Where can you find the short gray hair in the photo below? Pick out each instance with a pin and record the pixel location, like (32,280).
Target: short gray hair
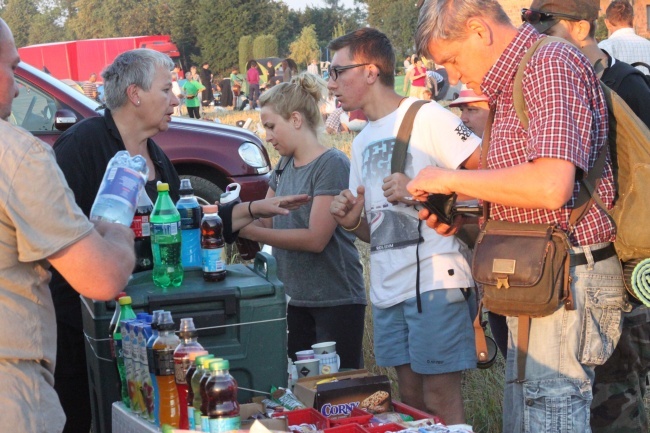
(132,67)
(446,19)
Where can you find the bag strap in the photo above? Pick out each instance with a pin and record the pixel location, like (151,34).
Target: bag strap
(485,145)
(523,334)
(398,160)
(479,336)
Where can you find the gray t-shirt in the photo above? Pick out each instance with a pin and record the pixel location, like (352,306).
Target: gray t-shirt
(334,276)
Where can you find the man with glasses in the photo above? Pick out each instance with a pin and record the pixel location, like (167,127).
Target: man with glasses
(621,382)
(427,334)
(530,177)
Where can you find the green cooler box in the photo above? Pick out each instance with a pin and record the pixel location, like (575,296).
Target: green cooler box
(242,319)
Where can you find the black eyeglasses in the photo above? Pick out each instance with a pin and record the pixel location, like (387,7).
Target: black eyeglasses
(534,17)
(335,71)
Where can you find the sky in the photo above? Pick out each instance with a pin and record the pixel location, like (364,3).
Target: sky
(300,4)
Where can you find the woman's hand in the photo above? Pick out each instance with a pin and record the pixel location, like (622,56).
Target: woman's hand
(278,205)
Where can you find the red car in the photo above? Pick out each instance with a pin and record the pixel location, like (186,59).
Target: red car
(212,155)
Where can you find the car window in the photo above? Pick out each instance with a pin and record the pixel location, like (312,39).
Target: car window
(33,109)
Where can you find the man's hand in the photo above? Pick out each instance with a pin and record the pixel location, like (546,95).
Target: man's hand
(428,181)
(395,189)
(441,228)
(346,208)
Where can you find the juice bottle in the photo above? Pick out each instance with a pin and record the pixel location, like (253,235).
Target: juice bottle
(198,396)
(189,408)
(126,313)
(163,354)
(137,403)
(195,385)
(212,244)
(222,406)
(152,373)
(146,386)
(205,420)
(188,335)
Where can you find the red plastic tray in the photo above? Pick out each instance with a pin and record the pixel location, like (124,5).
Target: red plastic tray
(358,416)
(415,413)
(389,427)
(346,428)
(305,416)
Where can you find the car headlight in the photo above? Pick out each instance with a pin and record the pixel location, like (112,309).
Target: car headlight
(253,156)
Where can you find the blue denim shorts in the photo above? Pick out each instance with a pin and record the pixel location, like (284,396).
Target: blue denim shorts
(439,340)
(563,350)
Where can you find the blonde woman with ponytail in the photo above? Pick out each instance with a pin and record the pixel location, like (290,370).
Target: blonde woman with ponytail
(317,260)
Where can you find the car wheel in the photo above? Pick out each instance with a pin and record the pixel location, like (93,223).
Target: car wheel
(206,191)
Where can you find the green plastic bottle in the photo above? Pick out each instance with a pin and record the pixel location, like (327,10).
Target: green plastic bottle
(166,241)
(126,313)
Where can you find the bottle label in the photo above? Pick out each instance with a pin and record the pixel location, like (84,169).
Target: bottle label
(212,261)
(197,420)
(140,226)
(190,217)
(190,417)
(122,184)
(163,362)
(181,365)
(164,229)
(205,423)
(218,425)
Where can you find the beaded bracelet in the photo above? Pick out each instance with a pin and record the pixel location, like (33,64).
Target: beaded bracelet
(353,228)
(249,209)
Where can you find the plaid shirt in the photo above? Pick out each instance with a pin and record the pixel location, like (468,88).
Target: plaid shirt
(568,120)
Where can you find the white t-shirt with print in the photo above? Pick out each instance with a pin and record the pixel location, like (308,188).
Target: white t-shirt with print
(439,138)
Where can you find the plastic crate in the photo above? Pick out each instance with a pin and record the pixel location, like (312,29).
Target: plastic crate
(415,413)
(357,416)
(346,428)
(305,416)
(383,428)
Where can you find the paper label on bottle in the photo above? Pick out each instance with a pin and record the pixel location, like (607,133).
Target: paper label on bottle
(190,217)
(190,417)
(164,229)
(123,184)
(205,423)
(181,365)
(212,261)
(140,226)
(163,362)
(197,420)
(218,425)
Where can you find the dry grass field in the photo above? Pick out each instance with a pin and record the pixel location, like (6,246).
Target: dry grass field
(482,389)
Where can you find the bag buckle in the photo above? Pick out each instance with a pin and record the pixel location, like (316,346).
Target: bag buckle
(503,283)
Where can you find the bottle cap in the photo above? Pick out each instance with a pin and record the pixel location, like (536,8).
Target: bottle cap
(124,300)
(231,194)
(206,362)
(141,316)
(194,355)
(186,187)
(221,364)
(120,295)
(165,323)
(156,318)
(210,208)
(187,329)
(199,359)
(163,187)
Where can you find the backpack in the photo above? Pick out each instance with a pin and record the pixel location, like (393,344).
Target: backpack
(620,70)
(629,144)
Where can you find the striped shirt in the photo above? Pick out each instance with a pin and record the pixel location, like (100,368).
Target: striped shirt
(90,89)
(568,121)
(628,47)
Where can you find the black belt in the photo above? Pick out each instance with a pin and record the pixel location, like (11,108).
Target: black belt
(598,255)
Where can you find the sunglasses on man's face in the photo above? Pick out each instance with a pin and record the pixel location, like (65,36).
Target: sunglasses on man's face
(534,17)
(335,71)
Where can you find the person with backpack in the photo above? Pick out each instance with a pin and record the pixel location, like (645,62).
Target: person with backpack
(623,43)
(531,177)
(621,382)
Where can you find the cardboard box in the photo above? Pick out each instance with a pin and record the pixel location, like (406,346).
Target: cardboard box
(246,411)
(356,388)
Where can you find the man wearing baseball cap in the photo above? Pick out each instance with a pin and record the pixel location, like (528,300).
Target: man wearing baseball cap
(620,383)
(474,110)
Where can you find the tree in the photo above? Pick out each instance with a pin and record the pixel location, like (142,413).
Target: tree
(397,19)
(265,46)
(182,29)
(45,27)
(245,51)
(305,48)
(18,15)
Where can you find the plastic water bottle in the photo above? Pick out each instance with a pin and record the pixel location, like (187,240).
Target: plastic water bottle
(142,229)
(222,407)
(189,409)
(118,193)
(212,244)
(152,373)
(163,354)
(195,383)
(188,335)
(126,313)
(166,241)
(190,211)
